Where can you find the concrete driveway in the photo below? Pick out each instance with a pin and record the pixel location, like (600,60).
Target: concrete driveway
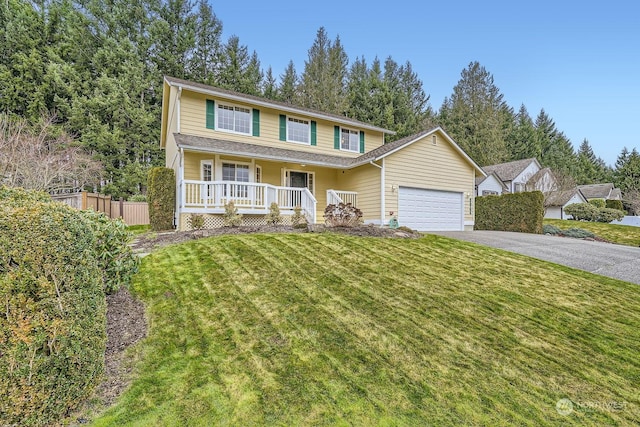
(606,259)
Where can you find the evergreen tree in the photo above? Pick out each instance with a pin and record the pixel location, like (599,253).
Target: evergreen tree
(627,172)
(591,169)
(323,82)
(477,117)
(173,32)
(521,144)
(269,85)
(287,92)
(240,71)
(207,53)
(556,151)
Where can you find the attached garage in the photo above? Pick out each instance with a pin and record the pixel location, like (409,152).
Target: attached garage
(430,210)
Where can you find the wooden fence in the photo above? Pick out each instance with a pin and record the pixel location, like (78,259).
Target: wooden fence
(133,213)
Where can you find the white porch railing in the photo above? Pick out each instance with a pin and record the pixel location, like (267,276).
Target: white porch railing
(249,197)
(335,197)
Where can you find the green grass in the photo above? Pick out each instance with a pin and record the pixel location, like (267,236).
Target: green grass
(620,234)
(309,329)
(138,229)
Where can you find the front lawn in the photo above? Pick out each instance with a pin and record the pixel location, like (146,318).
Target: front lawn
(615,233)
(325,329)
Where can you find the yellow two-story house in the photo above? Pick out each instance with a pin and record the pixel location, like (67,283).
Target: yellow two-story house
(227,146)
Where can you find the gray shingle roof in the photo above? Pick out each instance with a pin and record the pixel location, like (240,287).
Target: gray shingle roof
(559,198)
(509,171)
(596,191)
(260,151)
(275,104)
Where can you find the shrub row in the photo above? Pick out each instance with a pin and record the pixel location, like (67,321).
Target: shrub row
(55,265)
(521,212)
(589,212)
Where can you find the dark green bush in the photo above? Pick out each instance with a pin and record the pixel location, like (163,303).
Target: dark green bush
(582,211)
(522,212)
(615,204)
(598,203)
(52,323)
(161,196)
(550,229)
(116,259)
(607,215)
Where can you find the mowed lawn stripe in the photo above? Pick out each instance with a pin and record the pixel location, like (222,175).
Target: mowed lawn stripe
(331,329)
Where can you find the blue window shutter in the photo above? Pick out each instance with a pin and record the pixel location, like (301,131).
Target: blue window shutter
(283,127)
(256,122)
(314,133)
(336,137)
(362,141)
(211,114)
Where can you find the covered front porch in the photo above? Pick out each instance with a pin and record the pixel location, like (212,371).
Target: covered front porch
(252,198)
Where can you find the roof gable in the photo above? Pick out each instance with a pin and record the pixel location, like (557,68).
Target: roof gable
(510,170)
(596,191)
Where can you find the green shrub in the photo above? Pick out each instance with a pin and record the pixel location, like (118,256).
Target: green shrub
(598,203)
(297,219)
(578,233)
(231,216)
(11,196)
(550,229)
(115,257)
(52,326)
(342,215)
(607,215)
(615,204)
(273,217)
(522,212)
(161,196)
(196,221)
(582,211)
(137,198)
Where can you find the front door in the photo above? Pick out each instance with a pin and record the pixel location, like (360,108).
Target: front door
(298,179)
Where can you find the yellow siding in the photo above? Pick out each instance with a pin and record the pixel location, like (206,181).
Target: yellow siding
(428,166)
(366,181)
(193,122)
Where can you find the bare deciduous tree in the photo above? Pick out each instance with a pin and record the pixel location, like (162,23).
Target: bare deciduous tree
(41,157)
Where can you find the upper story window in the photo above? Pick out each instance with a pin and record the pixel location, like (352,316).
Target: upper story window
(298,130)
(234,119)
(349,140)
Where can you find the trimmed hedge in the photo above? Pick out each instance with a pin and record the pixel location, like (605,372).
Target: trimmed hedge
(161,196)
(615,204)
(589,212)
(52,326)
(522,212)
(598,203)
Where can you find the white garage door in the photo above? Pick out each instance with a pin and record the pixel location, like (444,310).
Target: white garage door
(430,210)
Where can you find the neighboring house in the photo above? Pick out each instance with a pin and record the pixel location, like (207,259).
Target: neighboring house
(543,180)
(556,201)
(601,191)
(516,174)
(490,185)
(226,146)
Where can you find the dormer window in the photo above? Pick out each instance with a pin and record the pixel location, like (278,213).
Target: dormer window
(349,140)
(233,119)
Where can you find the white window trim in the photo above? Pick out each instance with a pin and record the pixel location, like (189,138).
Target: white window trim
(206,162)
(308,133)
(357,150)
(287,179)
(235,162)
(228,104)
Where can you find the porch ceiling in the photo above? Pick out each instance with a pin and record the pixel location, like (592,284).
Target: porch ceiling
(202,144)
